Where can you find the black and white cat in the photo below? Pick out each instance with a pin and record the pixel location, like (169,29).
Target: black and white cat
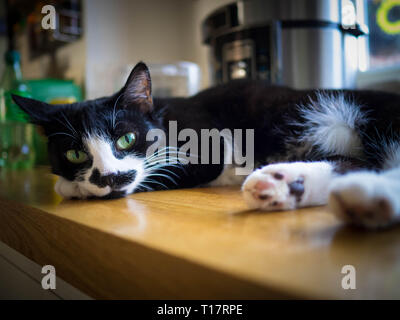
(311,147)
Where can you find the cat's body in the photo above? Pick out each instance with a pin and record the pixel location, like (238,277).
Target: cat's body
(304,141)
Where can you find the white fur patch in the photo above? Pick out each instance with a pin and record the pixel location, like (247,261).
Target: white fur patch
(392,156)
(70,189)
(330,125)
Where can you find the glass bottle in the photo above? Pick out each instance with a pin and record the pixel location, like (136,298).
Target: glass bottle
(16,134)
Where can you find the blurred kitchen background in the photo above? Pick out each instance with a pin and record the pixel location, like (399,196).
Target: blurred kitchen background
(188,45)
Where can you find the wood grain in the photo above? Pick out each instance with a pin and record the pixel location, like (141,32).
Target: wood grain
(195,243)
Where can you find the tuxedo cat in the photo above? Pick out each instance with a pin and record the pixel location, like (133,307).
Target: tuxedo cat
(311,147)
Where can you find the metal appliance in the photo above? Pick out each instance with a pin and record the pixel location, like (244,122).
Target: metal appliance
(299,43)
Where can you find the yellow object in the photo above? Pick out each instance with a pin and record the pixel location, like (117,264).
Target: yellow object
(62,100)
(390,27)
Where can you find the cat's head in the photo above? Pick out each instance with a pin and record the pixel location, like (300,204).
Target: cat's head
(99,146)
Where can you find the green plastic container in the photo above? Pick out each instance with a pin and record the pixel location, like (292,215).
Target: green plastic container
(52,91)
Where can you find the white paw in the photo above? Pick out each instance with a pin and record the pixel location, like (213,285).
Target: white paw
(274,187)
(365,199)
(286,186)
(69,189)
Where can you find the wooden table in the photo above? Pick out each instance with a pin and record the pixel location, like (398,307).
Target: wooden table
(195,243)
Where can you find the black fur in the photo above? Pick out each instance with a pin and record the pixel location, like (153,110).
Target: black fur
(115,180)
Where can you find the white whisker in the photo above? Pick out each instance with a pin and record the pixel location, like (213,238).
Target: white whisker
(162,175)
(69,125)
(156,182)
(114,115)
(61,133)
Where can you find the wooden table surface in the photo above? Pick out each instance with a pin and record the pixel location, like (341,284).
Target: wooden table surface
(194,243)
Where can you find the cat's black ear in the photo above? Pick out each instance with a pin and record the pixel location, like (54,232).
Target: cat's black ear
(38,112)
(138,88)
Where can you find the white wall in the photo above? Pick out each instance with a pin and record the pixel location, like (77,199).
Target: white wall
(122,32)
(71,56)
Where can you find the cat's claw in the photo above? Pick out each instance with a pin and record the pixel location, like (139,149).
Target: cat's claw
(365,199)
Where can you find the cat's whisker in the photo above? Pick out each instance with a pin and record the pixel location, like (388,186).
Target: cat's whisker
(166,170)
(161,158)
(114,115)
(168,157)
(156,182)
(166,151)
(62,133)
(69,125)
(147,188)
(162,175)
(167,148)
(164,164)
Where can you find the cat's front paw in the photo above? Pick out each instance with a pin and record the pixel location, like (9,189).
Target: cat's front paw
(275,187)
(69,189)
(365,199)
(286,186)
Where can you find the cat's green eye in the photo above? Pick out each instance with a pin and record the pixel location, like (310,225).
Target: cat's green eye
(76,156)
(126,141)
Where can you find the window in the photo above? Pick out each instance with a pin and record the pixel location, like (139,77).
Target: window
(384,36)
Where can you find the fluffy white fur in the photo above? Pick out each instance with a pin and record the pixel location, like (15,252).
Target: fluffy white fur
(369,199)
(392,155)
(70,189)
(330,123)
